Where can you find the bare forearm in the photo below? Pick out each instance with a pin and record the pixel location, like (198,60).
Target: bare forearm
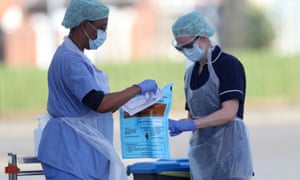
(215,119)
(226,114)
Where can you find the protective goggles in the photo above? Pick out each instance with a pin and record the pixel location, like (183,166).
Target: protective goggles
(187,45)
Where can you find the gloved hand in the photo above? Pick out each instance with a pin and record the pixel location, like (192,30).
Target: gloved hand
(177,127)
(147,85)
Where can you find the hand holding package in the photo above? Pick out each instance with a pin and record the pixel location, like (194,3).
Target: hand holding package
(148,85)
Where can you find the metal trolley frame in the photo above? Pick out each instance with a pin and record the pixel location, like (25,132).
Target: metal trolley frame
(14,171)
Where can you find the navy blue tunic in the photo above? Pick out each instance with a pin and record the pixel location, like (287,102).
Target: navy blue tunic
(231,75)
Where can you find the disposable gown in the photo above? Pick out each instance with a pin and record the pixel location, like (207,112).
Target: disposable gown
(77,140)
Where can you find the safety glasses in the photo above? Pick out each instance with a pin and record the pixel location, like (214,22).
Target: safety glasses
(187,45)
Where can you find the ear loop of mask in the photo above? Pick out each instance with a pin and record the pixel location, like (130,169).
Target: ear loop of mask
(93,26)
(87,33)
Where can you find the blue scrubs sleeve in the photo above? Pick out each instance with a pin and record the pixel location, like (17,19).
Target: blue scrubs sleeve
(79,77)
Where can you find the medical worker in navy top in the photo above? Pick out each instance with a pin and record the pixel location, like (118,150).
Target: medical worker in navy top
(215,87)
(77,142)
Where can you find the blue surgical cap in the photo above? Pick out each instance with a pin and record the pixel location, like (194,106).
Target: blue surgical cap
(192,24)
(81,10)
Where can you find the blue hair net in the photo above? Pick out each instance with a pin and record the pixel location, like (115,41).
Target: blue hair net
(192,24)
(81,10)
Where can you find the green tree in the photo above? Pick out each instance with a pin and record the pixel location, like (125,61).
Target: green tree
(244,26)
(259,32)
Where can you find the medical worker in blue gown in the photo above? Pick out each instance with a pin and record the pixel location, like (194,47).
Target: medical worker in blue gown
(77,141)
(215,87)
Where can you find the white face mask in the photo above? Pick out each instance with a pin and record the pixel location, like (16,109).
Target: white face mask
(96,43)
(194,54)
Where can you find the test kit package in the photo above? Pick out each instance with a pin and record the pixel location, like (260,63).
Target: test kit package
(145,133)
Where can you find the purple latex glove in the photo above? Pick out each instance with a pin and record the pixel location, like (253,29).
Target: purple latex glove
(148,85)
(177,127)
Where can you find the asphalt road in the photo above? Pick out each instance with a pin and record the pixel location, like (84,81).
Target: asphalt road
(274,133)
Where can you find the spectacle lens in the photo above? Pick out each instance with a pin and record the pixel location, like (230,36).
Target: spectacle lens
(188,45)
